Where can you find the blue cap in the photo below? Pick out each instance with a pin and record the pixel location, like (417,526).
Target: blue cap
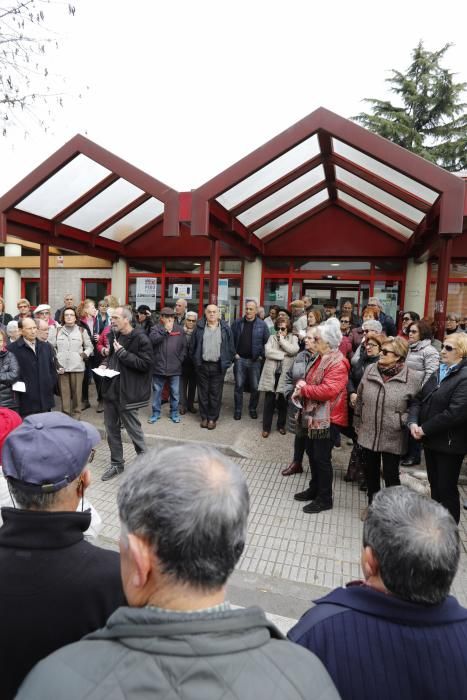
(48,451)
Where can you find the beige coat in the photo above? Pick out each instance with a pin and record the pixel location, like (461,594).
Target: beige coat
(69,346)
(380,415)
(277,350)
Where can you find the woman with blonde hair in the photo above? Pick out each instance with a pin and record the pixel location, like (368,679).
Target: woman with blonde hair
(86,314)
(381,411)
(4,317)
(438,417)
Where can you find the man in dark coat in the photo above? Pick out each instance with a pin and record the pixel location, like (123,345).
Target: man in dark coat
(184,517)
(169,345)
(37,370)
(387,322)
(250,335)
(54,586)
(130,354)
(399,634)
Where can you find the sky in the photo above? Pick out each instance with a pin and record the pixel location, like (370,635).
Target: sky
(185,88)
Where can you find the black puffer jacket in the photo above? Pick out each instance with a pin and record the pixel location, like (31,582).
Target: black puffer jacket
(9,374)
(441,410)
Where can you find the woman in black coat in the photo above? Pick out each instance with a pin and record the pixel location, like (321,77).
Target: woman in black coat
(9,374)
(4,317)
(438,417)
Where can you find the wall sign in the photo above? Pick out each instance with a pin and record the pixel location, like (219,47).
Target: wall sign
(146,288)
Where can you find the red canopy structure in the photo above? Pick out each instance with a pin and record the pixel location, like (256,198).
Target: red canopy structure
(327,186)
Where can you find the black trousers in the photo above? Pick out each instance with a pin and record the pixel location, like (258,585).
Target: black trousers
(443,474)
(371,462)
(299,447)
(272,401)
(210,379)
(188,386)
(319,453)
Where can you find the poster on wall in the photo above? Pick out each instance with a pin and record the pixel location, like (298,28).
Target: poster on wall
(146,288)
(182,291)
(223,290)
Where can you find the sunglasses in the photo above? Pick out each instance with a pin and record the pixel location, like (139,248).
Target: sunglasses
(385,352)
(447,347)
(347,322)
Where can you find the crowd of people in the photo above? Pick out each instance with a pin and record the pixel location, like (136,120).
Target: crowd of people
(79,621)
(323,371)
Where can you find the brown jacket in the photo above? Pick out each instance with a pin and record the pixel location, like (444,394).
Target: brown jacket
(380,415)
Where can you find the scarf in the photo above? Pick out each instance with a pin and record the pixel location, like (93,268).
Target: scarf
(318,413)
(388,372)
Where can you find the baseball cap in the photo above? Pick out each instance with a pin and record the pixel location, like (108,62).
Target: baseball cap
(167,311)
(48,451)
(143,308)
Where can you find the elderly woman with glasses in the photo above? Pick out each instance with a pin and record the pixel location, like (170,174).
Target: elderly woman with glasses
(381,411)
(438,417)
(424,359)
(324,398)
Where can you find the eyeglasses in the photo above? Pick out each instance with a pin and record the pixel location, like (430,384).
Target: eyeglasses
(372,345)
(385,352)
(190,320)
(413,330)
(448,348)
(346,322)
(406,318)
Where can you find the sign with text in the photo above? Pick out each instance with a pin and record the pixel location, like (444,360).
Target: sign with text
(146,289)
(182,291)
(223,290)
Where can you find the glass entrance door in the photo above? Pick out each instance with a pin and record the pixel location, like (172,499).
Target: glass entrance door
(338,292)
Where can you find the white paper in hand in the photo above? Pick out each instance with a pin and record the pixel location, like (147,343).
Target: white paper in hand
(19,386)
(109,373)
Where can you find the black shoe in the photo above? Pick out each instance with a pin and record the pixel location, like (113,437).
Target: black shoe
(253,414)
(307,495)
(192,409)
(363,486)
(317,507)
(113,470)
(237,416)
(410,462)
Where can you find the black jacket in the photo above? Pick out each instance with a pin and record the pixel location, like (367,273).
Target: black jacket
(37,371)
(441,410)
(260,335)
(9,374)
(169,350)
(54,588)
(5,318)
(132,387)
(227,345)
(357,370)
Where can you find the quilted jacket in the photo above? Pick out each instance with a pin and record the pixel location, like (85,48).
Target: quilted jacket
(144,654)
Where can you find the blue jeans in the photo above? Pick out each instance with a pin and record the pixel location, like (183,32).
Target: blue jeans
(244,368)
(158,382)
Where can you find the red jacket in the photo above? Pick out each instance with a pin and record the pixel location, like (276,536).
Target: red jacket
(346,347)
(333,388)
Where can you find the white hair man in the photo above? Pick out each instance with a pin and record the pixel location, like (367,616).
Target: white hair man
(183,513)
(402,609)
(130,354)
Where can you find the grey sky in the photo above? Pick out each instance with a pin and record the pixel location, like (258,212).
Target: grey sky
(184,88)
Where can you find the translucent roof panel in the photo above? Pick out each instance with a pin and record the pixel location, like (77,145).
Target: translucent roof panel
(285,194)
(103,205)
(63,188)
(270,173)
(365,209)
(134,220)
(293,213)
(384,171)
(379,195)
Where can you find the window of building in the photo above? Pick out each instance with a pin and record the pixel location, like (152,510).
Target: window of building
(30,290)
(457,289)
(95,289)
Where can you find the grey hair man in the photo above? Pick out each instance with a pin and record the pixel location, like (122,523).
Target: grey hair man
(183,513)
(130,355)
(388,324)
(54,586)
(12,331)
(180,311)
(68,302)
(403,608)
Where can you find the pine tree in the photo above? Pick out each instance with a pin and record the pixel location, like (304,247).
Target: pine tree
(431,119)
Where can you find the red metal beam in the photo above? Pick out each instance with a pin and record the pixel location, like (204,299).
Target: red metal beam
(380,182)
(3,227)
(374,204)
(287,206)
(214,271)
(425,226)
(85,198)
(44,273)
(276,185)
(295,222)
(325,145)
(120,214)
(142,230)
(369,219)
(231,224)
(26,233)
(444,264)
(238,247)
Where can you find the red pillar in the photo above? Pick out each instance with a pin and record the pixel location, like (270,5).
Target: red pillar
(44,274)
(441,302)
(3,227)
(214,271)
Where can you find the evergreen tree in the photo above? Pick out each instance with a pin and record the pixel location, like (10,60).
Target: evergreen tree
(431,119)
